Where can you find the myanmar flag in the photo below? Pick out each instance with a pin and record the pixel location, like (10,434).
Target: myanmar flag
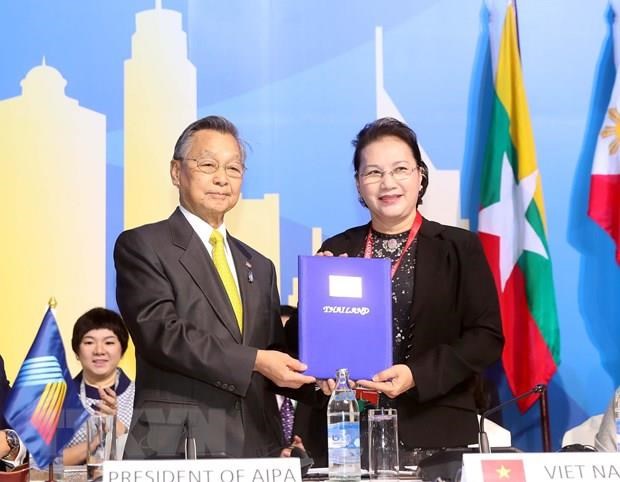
(512,228)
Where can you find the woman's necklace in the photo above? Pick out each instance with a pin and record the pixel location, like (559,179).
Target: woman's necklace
(413,232)
(390,245)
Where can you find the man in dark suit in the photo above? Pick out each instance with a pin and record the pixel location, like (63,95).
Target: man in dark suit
(203,311)
(310,425)
(12,449)
(4,392)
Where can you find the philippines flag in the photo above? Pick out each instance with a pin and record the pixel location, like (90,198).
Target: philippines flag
(604,204)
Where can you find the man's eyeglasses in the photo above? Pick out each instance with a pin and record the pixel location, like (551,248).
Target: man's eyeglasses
(400,173)
(233,170)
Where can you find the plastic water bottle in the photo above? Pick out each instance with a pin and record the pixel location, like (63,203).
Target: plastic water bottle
(343,431)
(617,416)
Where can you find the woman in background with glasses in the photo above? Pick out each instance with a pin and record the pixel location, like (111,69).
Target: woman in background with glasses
(446,320)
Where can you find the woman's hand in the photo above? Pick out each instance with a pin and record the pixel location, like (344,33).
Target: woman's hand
(121,429)
(109,402)
(329,253)
(393,381)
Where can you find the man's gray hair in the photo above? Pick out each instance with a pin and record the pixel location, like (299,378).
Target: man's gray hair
(213,123)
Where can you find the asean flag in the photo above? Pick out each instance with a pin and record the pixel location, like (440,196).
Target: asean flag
(43,406)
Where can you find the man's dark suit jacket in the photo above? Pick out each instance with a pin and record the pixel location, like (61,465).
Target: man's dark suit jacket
(194,368)
(456,334)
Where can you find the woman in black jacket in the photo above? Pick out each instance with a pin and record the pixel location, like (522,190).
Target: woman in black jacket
(446,318)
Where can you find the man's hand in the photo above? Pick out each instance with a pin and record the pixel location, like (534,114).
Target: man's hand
(327,386)
(281,369)
(4,445)
(297,443)
(393,381)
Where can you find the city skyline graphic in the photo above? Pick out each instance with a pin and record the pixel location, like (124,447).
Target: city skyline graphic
(93,96)
(64,252)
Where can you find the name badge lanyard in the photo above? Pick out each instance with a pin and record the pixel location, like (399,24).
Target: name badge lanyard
(413,232)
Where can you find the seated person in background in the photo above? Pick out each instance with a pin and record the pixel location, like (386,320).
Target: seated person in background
(99,341)
(605,440)
(12,449)
(303,425)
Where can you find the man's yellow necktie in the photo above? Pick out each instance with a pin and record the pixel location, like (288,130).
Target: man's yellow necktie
(219,259)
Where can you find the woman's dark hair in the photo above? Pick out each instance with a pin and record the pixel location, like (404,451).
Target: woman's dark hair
(97,319)
(386,127)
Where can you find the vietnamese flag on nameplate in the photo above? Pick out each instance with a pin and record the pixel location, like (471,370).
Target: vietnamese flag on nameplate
(503,471)
(512,227)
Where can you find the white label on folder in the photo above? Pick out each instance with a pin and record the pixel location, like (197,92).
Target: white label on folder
(345,286)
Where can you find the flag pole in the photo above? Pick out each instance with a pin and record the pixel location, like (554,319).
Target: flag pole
(50,468)
(514,2)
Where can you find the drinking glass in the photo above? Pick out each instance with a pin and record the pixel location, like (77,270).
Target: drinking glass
(383,444)
(101,444)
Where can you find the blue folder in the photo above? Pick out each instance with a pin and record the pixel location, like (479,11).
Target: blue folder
(345,315)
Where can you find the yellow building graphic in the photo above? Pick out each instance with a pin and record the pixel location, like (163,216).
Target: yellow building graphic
(317,239)
(52,205)
(160,101)
(53,197)
(257,223)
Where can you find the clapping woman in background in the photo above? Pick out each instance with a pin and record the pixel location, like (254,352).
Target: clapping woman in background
(99,341)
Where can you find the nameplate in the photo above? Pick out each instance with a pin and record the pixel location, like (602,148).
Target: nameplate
(541,467)
(282,469)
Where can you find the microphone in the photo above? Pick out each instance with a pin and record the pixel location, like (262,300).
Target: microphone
(483,439)
(190,443)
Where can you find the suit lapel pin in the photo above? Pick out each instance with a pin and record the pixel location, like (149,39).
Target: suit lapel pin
(250,274)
